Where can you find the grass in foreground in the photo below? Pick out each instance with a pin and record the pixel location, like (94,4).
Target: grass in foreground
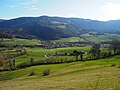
(67,76)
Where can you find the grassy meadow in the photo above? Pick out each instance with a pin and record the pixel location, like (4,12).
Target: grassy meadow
(18,41)
(89,37)
(70,39)
(89,75)
(39,53)
(100,74)
(100,38)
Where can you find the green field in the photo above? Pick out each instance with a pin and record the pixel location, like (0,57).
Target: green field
(39,53)
(70,39)
(17,41)
(100,74)
(101,38)
(92,38)
(83,37)
(89,75)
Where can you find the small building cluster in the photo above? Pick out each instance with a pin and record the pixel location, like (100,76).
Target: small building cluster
(51,45)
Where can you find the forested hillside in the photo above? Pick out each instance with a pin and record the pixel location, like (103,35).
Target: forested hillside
(47,28)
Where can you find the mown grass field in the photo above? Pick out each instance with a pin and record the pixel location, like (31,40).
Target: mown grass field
(83,37)
(101,38)
(70,39)
(39,53)
(92,38)
(89,75)
(17,41)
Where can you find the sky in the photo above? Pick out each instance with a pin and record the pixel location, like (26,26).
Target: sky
(102,10)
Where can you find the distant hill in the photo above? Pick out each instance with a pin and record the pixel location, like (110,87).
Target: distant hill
(47,28)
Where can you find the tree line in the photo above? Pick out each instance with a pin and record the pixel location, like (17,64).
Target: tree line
(114,49)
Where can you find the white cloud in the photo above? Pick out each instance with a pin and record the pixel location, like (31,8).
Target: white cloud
(31,5)
(34,1)
(110,11)
(11,6)
(70,15)
(34,8)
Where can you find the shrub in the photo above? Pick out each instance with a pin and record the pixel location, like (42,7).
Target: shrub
(119,66)
(32,73)
(22,65)
(1,77)
(31,61)
(39,62)
(1,63)
(112,65)
(46,72)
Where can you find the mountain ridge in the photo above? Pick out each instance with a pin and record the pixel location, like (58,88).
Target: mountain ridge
(46,28)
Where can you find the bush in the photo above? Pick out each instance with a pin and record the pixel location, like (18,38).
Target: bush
(32,73)
(118,66)
(1,63)
(22,65)
(31,61)
(39,62)
(46,72)
(112,65)
(1,77)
